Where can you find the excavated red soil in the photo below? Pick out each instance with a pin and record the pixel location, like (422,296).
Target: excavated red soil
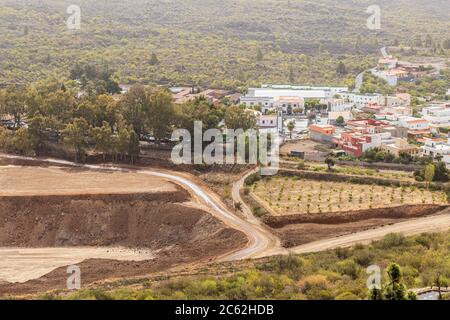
(295,230)
(157,221)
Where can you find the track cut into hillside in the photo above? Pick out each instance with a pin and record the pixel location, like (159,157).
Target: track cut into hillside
(165,222)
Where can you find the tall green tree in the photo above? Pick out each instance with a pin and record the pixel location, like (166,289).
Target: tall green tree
(135,105)
(161,114)
(13,103)
(429,173)
(237,117)
(291,127)
(75,136)
(154,60)
(341,68)
(395,289)
(103,138)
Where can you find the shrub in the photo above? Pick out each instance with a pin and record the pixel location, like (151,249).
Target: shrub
(391,240)
(364,257)
(348,268)
(313,282)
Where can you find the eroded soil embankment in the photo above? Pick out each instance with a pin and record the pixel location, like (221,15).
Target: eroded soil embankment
(299,229)
(158,221)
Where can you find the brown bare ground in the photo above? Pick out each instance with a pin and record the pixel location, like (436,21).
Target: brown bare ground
(295,230)
(55,207)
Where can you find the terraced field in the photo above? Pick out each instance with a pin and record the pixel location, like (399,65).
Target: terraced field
(286,196)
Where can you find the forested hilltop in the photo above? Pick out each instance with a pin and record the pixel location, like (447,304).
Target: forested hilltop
(226,43)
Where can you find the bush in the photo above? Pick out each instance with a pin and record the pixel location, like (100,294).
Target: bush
(251,179)
(364,257)
(313,282)
(347,296)
(391,240)
(348,268)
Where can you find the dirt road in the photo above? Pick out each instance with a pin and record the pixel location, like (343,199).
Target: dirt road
(437,223)
(261,241)
(23,264)
(272,245)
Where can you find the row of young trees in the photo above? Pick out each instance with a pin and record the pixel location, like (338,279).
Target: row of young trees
(40,116)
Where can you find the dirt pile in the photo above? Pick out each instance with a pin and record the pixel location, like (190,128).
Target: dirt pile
(164,222)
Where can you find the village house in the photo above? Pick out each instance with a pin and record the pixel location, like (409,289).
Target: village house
(361,100)
(334,115)
(356,143)
(268,121)
(437,147)
(400,146)
(337,104)
(417,128)
(289,104)
(387,75)
(387,63)
(437,114)
(322,133)
(399,100)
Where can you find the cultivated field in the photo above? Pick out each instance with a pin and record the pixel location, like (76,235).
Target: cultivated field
(285,196)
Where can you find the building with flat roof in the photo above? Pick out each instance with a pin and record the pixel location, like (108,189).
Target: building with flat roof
(268,94)
(437,147)
(437,114)
(401,146)
(360,100)
(322,133)
(356,143)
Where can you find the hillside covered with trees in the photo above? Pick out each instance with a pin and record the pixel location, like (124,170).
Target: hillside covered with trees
(225,44)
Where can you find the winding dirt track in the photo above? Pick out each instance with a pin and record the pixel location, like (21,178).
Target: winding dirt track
(261,241)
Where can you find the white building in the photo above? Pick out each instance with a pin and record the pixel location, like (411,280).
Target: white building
(437,114)
(413,123)
(362,100)
(434,148)
(268,121)
(399,100)
(337,105)
(305,92)
(288,104)
(266,103)
(387,76)
(267,95)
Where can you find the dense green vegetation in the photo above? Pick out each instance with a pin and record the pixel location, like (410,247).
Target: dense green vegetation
(222,44)
(373,84)
(421,261)
(78,119)
(427,88)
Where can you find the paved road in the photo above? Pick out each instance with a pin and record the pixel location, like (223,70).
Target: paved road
(359,82)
